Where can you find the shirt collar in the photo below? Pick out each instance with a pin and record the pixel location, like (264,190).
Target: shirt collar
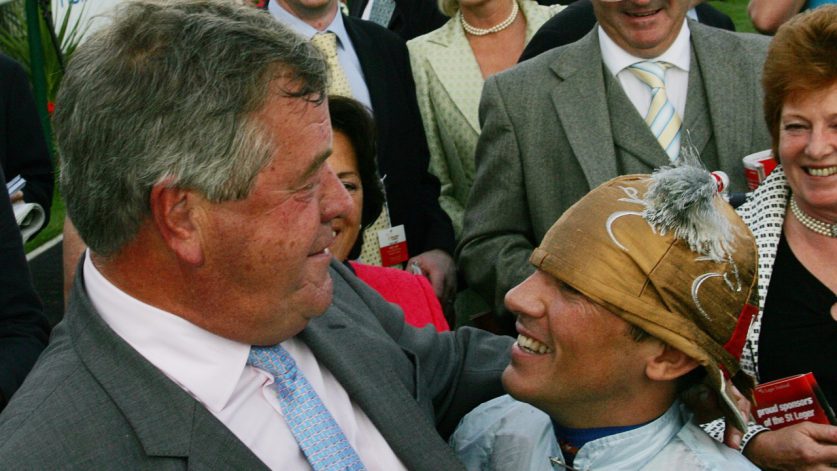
(635,448)
(206,365)
(616,59)
(304,29)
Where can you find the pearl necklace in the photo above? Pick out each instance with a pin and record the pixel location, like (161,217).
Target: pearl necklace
(494,29)
(820,227)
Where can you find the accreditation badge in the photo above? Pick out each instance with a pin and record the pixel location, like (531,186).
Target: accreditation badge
(393,243)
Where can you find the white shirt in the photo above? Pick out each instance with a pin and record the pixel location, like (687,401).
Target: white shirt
(691,14)
(345,50)
(678,54)
(367,11)
(521,438)
(213,370)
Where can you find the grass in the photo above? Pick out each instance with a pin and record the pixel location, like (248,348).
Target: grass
(737,10)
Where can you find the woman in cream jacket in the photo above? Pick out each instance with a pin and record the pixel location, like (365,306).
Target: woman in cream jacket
(450,65)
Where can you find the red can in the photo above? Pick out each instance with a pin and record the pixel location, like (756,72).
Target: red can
(758,166)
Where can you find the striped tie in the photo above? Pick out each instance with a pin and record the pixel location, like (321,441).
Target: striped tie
(315,430)
(662,118)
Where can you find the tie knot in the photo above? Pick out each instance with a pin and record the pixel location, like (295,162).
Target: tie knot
(651,73)
(326,42)
(275,360)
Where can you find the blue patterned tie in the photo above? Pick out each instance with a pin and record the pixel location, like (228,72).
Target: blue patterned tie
(382,12)
(319,437)
(662,118)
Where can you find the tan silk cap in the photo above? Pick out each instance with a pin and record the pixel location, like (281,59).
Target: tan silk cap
(604,247)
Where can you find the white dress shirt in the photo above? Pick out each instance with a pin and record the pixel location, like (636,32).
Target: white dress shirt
(213,370)
(617,60)
(367,10)
(345,50)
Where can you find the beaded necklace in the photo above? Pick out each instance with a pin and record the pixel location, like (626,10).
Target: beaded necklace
(494,29)
(811,223)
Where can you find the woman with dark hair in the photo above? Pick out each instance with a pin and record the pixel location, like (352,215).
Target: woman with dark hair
(793,215)
(353,161)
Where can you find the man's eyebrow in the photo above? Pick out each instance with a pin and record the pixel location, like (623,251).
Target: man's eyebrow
(315,165)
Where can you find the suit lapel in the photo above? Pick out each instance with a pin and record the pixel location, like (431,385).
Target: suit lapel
(725,92)
(219,448)
(167,420)
(353,355)
(582,108)
(697,120)
(356,7)
(457,69)
(630,133)
(374,73)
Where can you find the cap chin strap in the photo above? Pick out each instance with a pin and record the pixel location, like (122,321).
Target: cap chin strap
(735,417)
(735,344)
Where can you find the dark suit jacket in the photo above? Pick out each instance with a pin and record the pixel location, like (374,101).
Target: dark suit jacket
(23,149)
(23,328)
(572,23)
(93,402)
(403,157)
(410,19)
(558,125)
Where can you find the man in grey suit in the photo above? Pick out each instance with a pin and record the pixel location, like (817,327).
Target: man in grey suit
(207,315)
(562,123)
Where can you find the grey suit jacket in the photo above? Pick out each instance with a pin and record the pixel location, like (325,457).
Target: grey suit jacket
(92,402)
(558,125)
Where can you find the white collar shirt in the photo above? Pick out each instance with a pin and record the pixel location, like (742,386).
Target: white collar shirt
(367,10)
(346,53)
(617,60)
(214,371)
(691,14)
(522,438)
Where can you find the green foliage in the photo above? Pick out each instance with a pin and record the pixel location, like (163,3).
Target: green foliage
(14,40)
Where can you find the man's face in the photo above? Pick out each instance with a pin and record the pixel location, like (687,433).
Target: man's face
(572,355)
(310,10)
(266,255)
(643,28)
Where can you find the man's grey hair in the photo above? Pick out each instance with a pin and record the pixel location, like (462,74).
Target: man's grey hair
(168,93)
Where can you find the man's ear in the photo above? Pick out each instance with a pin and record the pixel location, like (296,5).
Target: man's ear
(668,363)
(174,211)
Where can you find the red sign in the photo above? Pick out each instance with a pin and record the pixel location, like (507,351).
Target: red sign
(791,400)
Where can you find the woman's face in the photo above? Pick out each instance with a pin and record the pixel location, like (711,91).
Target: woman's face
(344,163)
(808,150)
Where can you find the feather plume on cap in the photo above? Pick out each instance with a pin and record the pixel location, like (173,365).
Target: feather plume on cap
(682,199)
